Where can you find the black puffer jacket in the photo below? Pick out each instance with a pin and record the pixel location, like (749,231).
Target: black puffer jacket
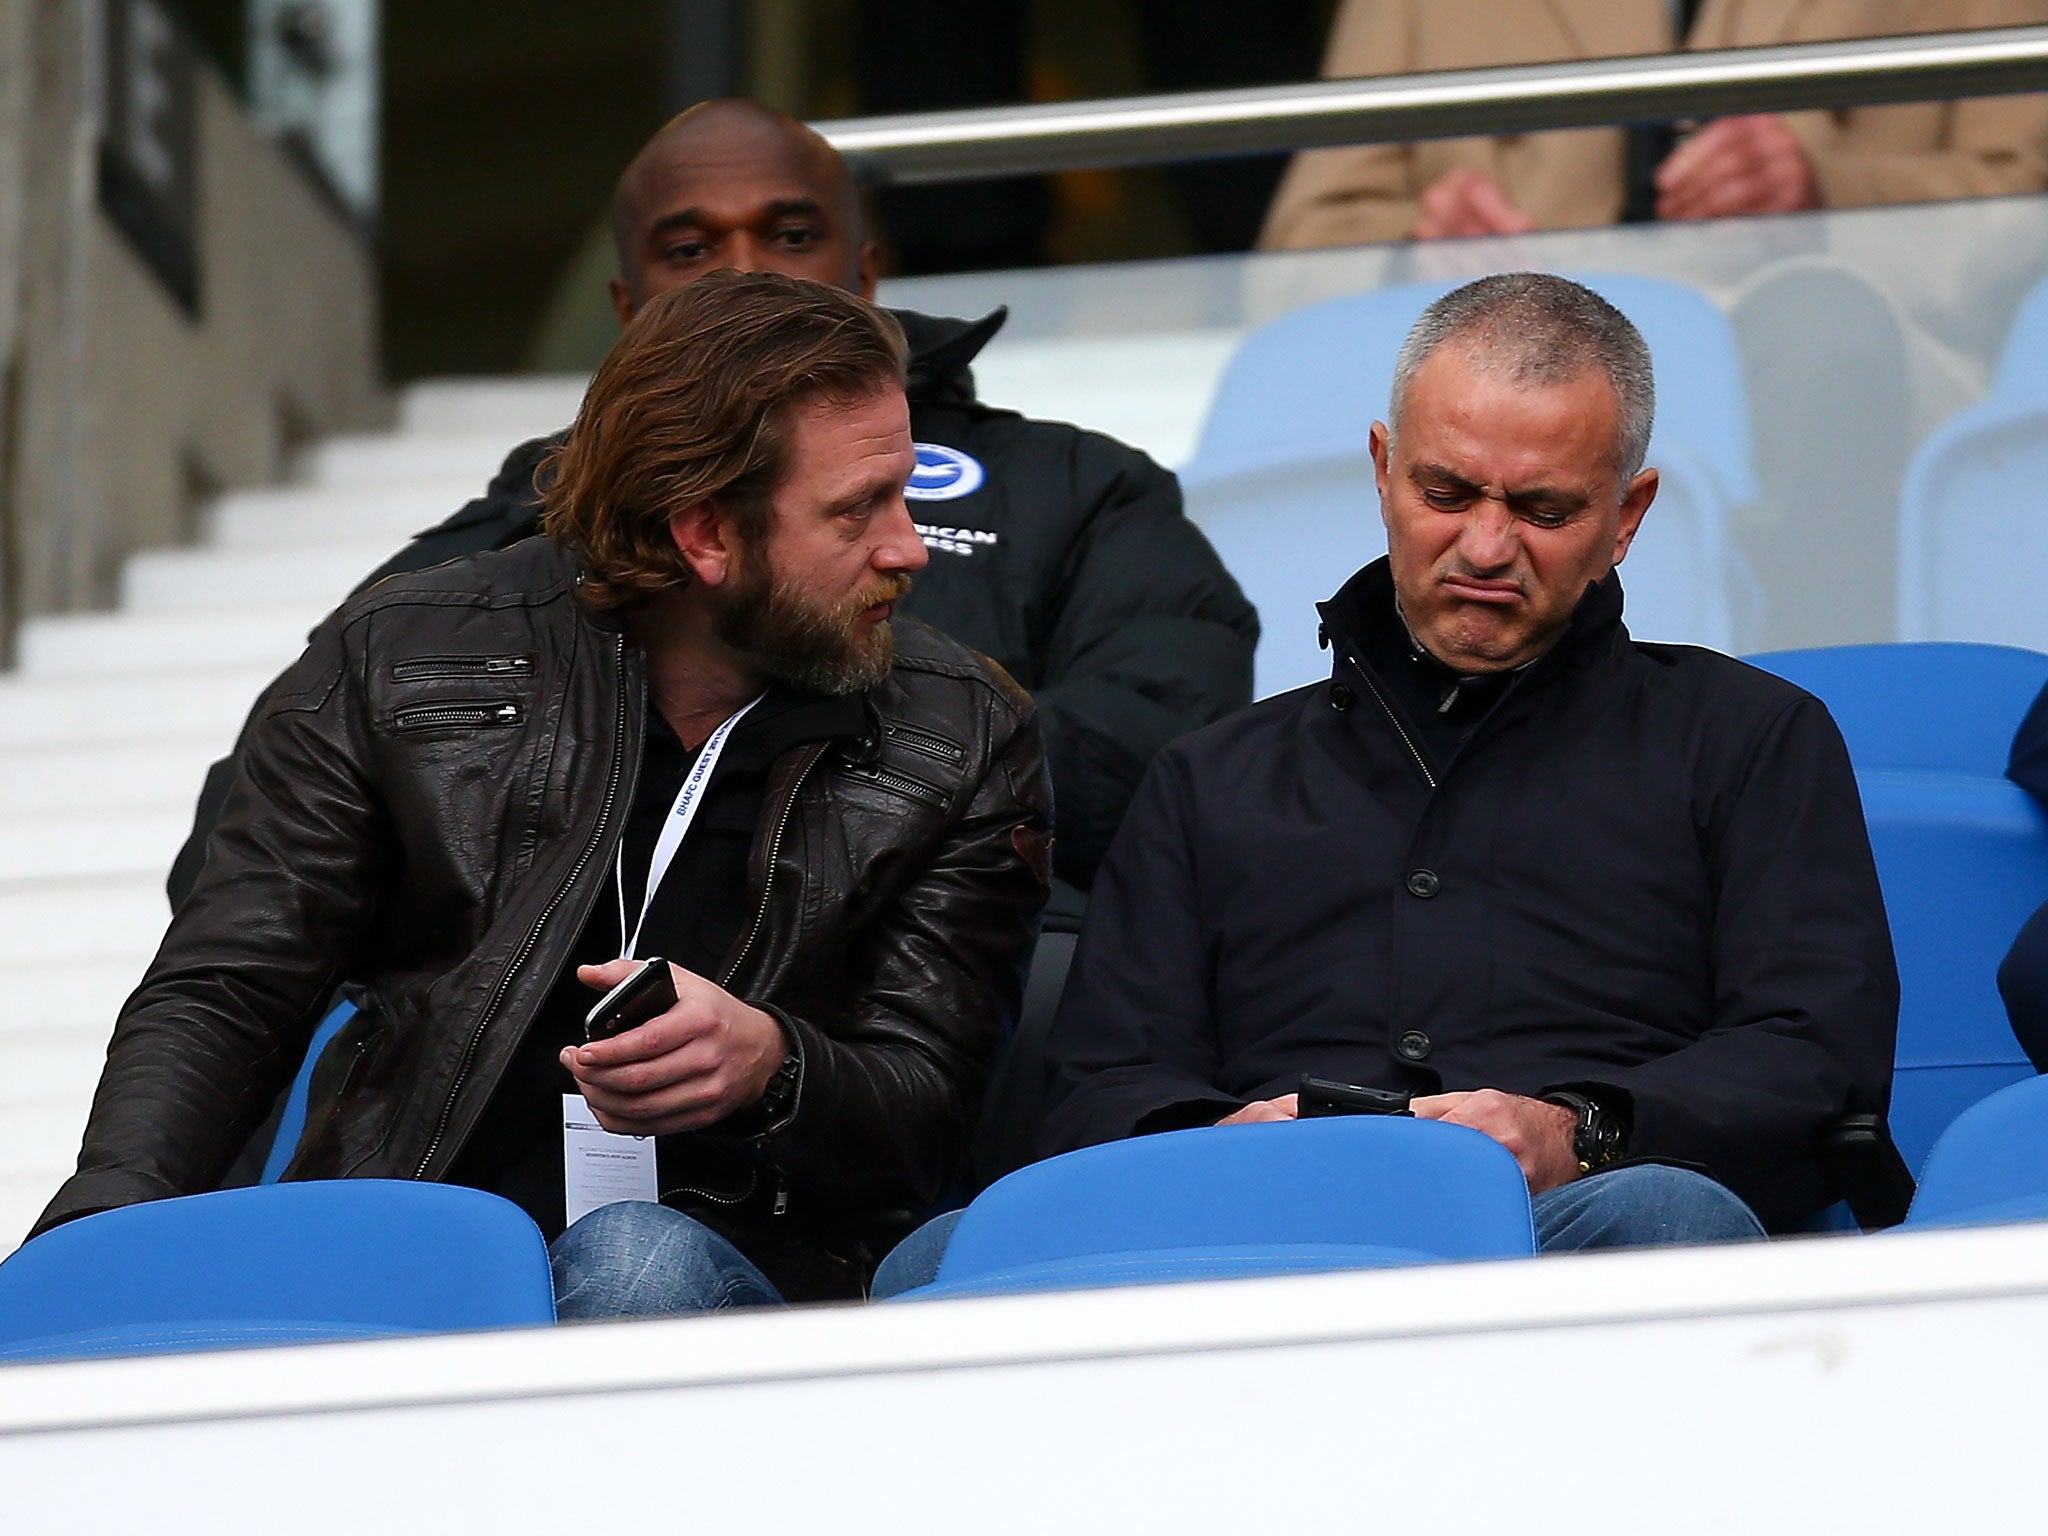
(428,807)
(1644,873)
(1067,559)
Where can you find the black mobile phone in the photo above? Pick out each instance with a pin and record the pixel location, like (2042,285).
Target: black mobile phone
(1318,1096)
(646,994)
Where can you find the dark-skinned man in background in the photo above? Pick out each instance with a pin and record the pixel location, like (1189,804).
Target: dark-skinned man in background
(1060,553)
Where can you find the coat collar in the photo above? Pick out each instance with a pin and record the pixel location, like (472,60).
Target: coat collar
(1367,600)
(941,349)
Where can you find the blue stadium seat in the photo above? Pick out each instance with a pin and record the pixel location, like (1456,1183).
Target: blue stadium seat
(272,1264)
(1972,542)
(1964,862)
(1282,483)
(1343,1193)
(2023,366)
(1991,1165)
(1947,707)
(292,1124)
(1973,545)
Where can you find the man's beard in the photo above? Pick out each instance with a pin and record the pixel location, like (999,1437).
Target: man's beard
(794,640)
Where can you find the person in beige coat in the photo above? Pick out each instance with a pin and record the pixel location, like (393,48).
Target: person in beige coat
(1766,163)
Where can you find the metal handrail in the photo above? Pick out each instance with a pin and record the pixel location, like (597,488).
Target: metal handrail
(1138,130)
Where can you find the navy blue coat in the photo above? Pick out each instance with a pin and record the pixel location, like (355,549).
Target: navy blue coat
(1645,870)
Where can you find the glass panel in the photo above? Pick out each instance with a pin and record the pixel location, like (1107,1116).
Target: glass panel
(1845,457)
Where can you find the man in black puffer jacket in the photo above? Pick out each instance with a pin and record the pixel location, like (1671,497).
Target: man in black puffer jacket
(1060,553)
(680,724)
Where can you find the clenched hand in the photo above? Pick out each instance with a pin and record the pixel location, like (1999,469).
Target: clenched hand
(682,1070)
(1539,1135)
(1736,165)
(1467,201)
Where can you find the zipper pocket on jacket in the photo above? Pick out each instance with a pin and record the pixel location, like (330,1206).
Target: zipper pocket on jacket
(434,717)
(504,981)
(461,666)
(901,783)
(924,741)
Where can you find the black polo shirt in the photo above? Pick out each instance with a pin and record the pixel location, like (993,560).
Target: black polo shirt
(699,910)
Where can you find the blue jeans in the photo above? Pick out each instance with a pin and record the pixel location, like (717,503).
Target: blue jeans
(1640,1206)
(638,1259)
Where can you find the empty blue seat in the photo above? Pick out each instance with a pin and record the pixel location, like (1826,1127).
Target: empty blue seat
(1220,1202)
(1964,862)
(1281,480)
(1973,544)
(276,1263)
(1948,707)
(1991,1165)
(2023,364)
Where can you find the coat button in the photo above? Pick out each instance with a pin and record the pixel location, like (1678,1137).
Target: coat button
(1341,697)
(1423,883)
(1412,1046)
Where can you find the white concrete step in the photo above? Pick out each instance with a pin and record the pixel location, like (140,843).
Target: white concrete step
(107,776)
(391,459)
(70,1000)
(79,645)
(110,922)
(91,844)
(183,580)
(521,408)
(43,1136)
(60,1067)
(129,711)
(310,516)
(23,1194)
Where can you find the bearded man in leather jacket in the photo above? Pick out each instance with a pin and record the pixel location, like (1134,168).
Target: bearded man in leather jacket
(456,801)
(1061,553)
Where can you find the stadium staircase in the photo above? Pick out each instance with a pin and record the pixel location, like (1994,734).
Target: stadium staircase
(109,721)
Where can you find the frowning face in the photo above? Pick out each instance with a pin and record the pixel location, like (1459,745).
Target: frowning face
(1503,503)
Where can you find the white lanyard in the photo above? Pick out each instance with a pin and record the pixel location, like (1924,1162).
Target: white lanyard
(675,826)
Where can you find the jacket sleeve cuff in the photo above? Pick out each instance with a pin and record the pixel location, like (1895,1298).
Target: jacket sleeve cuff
(87,1194)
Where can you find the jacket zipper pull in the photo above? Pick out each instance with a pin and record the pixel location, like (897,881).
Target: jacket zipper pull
(781,1193)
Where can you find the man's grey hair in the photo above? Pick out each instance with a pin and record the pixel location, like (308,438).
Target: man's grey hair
(1539,329)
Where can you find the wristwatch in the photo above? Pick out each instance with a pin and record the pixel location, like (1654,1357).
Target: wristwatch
(778,1099)
(1600,1139)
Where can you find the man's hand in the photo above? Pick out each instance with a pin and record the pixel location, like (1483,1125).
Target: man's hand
(1259,1110)
(1736,165)
(682,1070)
(1467,201)
(1540,1135)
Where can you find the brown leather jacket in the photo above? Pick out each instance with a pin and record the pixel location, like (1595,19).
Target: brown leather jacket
(428,807)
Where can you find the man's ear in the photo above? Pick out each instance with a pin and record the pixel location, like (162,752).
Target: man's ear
(622,302)
(870,269)
(704,537)
(1641,492)
(1381,441)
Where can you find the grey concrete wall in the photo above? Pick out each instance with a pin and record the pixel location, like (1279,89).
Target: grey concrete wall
(118,411)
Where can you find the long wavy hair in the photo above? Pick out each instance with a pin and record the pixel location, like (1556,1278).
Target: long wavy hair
(693,404)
